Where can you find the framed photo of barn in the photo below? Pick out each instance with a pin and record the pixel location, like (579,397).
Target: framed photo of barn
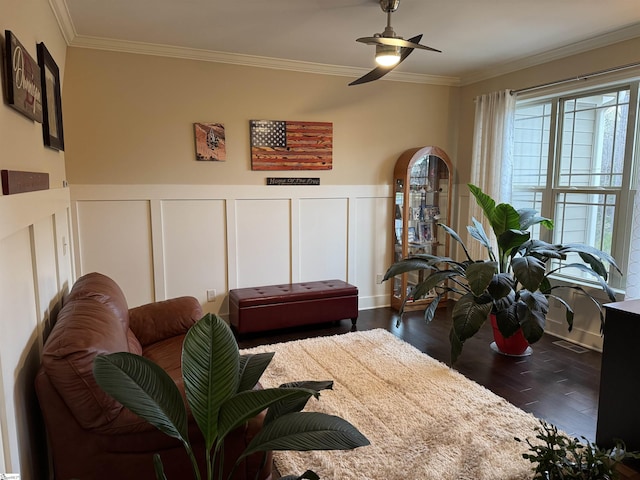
(289,145)
(24,88)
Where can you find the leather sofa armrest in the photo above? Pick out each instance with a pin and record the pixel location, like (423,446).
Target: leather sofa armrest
(157,321)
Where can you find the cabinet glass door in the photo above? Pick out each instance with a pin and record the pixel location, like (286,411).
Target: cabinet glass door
(421,201)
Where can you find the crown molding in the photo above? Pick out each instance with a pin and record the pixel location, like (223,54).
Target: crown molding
(65,22)
(621,35)
(125,46)
(61,12)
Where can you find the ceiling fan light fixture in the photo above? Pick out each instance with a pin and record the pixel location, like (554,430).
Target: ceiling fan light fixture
(387,55)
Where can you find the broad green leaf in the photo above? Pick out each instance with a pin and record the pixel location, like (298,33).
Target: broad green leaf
(308,475)
(479,276)
(294,404)
(595,264)
(453,234)
(484,201)
(468,316)
(245,405)
(586,294)
(533,325)
(435,279)
(303,431)
(542,249)
(456,345)
(504,302)
(545,285)
(430,311)
(145,389)
(529,218)
(507,320)
(512,239)
(407,265)
(568,310)
(607,289)
(501,285)
(211,372)
(316,385)
(532,314)
(582,248)
(529,271)
(158,467)
(504,218)
(535,301)
(477,232)
(252,367)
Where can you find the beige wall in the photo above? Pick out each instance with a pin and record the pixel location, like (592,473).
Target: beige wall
(130,118)
(129,130)
(21,138)
(34,253)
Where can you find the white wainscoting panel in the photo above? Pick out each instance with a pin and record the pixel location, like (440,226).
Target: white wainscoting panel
(32,279)
(168,240)
(195,250)
(114,238)
(263,242)
(46,271)
(323,234)
(372,234)
(18,330)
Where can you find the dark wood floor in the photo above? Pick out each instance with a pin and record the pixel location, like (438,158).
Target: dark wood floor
(554,383)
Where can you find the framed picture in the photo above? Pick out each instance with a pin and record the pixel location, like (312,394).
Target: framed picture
(24,86)
(412,238)
(291,145)
(51,100)
(426,235)
(210,142)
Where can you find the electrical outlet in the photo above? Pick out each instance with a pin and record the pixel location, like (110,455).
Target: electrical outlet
(379,277)
(211,295)
(9,476)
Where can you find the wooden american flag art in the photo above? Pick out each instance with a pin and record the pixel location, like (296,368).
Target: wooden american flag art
(287,145)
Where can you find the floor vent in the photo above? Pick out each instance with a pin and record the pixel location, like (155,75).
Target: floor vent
(570,346)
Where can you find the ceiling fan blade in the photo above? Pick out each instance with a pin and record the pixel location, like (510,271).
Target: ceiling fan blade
(380,72)
(395,42)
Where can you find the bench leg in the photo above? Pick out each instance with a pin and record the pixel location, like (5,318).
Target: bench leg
(353,321)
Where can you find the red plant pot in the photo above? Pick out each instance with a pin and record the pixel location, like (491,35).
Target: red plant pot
(516,344)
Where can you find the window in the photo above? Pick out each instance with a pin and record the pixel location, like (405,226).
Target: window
(573,159)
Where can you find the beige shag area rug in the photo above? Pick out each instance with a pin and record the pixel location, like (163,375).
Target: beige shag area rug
(424,420)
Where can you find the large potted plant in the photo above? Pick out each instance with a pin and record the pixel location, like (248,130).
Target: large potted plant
(219,386)
(512,283)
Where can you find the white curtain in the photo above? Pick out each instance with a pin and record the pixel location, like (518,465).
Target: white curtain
(492,156)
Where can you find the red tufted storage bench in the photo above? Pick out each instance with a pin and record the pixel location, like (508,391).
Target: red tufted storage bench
(259,309)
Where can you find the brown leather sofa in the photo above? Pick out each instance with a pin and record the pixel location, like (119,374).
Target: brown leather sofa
(92,436)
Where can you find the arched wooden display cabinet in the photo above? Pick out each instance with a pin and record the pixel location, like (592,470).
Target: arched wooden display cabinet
(422,194)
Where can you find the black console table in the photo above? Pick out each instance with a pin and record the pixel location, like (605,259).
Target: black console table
(619,402)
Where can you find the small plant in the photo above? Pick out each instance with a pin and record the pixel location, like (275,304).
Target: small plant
(559,457)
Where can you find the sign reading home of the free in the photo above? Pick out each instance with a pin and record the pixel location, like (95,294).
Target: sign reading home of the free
(292,181)
(24,86)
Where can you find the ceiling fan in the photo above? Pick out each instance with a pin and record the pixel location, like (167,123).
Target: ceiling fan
(391,49)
